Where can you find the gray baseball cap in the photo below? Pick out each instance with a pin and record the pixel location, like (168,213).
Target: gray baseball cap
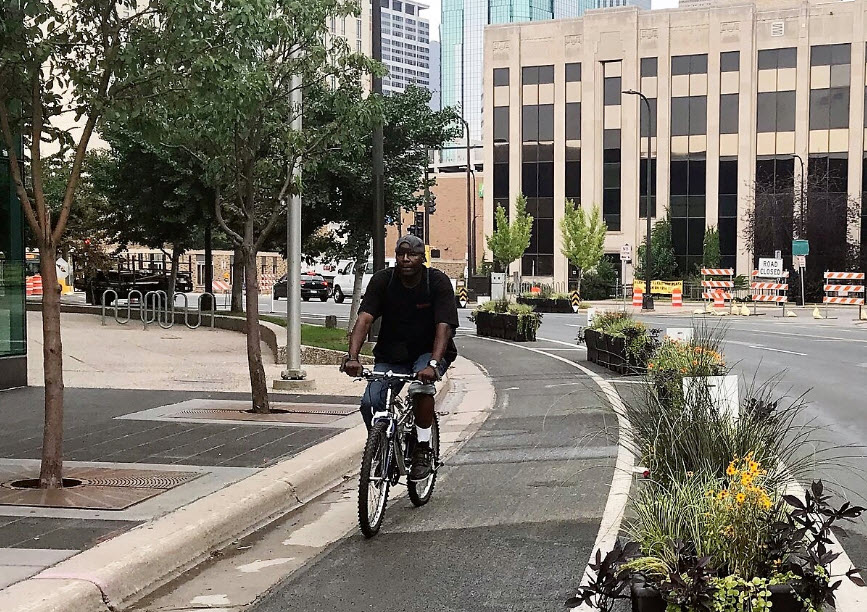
(414,243)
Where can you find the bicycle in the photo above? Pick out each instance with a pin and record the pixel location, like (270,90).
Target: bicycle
(390,443)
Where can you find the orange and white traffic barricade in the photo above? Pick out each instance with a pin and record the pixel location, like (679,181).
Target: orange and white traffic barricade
(36,285)
(220,286)
(715,288)
(677,298)
(845,289)
(769,289)
(637,296)
(29,285)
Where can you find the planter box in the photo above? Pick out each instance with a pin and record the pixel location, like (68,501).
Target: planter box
(547,304)
(501,325)
(591,340)
(610,352)
(646,599)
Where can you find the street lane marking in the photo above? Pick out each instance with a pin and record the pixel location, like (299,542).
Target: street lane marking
(761,347)
(572,344)
(621,481)
(762,331)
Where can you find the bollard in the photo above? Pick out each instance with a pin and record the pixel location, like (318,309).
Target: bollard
(331,321)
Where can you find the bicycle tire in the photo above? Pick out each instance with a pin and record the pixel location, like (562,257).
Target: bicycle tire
(376,449)
(420,492)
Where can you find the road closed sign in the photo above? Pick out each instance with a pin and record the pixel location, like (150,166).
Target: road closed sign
(771,267)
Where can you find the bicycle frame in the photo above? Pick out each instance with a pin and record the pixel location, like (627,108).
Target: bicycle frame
(400,419)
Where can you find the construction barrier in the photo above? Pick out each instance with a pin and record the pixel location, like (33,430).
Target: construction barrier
(768,291)
(715,288)
(463,297)
(221,286)
(677,298)
(34,285)
(843,294)
(659,287)
(637,297)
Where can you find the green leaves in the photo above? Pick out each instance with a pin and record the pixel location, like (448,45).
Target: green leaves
(583,236)
(511,239)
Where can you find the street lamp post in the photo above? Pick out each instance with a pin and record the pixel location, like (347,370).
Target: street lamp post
(471,264)
(647,301)
(378,153)
(802,226)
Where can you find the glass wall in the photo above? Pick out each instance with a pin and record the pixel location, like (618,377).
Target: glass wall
(13,338)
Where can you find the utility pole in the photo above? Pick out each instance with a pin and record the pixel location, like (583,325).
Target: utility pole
(471,264)
(293,369)
(647,302)
(378,154)
(426,200)
(802,231)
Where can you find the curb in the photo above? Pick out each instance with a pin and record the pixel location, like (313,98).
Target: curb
(119,571)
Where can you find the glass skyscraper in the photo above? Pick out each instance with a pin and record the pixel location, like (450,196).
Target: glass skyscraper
(13,332)
(462,38)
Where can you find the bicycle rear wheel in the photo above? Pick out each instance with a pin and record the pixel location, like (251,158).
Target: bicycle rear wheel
(374,483)
(420,492)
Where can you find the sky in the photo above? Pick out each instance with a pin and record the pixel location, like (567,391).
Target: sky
(433,14)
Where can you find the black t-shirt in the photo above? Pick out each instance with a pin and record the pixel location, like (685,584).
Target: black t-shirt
(410,314)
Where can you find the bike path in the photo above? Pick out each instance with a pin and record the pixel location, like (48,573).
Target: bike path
(514,514)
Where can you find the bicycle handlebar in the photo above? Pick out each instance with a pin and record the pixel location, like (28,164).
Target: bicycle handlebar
(371,375)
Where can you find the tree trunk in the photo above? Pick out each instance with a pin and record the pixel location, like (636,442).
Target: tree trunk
(51,472)
(258,383)
(356,293)
(581,278)
(173,276)
(238,281)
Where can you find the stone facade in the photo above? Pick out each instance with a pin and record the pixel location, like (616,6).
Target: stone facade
(739,92)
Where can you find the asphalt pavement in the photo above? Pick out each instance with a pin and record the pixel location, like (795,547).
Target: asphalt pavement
(514,515)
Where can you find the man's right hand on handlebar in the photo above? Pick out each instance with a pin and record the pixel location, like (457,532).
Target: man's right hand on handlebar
(352,366)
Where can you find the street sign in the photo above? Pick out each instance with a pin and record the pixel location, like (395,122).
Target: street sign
(62,268)
(778,254)
(800,261)
(626,253)
(770,268)
(800,247)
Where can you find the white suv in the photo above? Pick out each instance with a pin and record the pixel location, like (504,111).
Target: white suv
(344,280)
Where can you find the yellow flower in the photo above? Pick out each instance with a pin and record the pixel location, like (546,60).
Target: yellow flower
(731,470)
(746,479)
(740,498)
(650,366)
(754,467)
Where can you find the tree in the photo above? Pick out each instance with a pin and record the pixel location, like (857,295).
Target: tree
(44,74)
(664,262)
(338,186)
(233,112)
(583,238)
(510,238)
(150,200)
(711,254)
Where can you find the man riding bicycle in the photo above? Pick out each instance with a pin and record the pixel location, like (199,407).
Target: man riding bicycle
(419,319)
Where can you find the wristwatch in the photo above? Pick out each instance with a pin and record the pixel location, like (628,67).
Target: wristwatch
(433,363)
(347,358)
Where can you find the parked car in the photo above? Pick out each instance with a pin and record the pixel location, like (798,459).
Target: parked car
(344,280)
(312,285)
(125,280)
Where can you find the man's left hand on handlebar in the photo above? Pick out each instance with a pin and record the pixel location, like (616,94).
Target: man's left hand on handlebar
(352,367)
(428,375)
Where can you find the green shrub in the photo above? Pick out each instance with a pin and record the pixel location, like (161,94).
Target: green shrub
(528,319)
(599,284)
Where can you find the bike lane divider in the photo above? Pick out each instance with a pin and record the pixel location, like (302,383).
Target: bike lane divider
(117,573)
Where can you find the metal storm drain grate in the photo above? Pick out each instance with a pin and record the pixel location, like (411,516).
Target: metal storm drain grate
(161,481)
(278,409)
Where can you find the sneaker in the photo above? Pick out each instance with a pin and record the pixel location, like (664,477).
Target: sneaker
(421,462)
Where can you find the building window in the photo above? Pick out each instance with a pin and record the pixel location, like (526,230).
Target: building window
(573,121)
(573,73)
(501,77)
(772,59)
(729,61)
(830,55)
(612,92)
(358,28)
(689,64)
(397,6)
(611,204)
(642,193)
(410,9)
(501,158)
(501,124)
(358,45)
(648,66)
(648,126)
(829,108)
(728,114)
(775,111)
(688,192)
(774,204)
(828,211)
(537,75)
(728,212)
(689,116)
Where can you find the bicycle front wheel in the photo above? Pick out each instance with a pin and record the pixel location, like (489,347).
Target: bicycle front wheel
(420,491)
(374,483)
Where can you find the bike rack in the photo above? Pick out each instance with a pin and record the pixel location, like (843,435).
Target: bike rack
(154,308)
(153,296)
(114,302)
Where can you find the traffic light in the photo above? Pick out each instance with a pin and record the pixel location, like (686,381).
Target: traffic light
(413,229)
(432,204)
(419,224)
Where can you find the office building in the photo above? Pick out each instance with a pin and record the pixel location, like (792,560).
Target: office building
(739,94)
(405,45)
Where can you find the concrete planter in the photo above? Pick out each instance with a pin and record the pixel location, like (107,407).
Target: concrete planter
(648,599)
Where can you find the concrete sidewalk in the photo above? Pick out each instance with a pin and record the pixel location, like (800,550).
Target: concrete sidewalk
(154,424)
